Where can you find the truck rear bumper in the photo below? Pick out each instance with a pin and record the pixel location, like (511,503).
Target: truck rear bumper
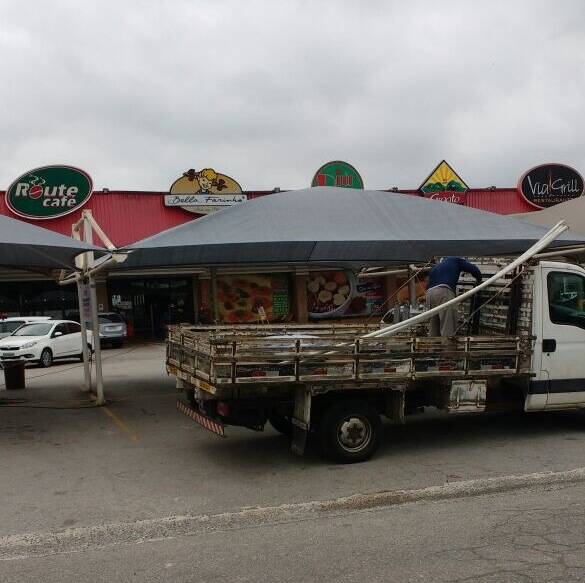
(206,422)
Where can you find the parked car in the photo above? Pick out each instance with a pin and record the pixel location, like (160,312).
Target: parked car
(44,342)
(9,325)
(113,329)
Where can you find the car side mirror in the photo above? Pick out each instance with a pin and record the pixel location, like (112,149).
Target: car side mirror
(57,334)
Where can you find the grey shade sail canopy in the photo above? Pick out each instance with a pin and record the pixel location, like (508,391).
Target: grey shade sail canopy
(338,226)
(27,246)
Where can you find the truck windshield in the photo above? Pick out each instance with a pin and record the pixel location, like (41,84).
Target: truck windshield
(34,330)
(566,298)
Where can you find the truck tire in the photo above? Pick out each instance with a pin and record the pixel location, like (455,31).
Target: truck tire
(350,432)
(281,423)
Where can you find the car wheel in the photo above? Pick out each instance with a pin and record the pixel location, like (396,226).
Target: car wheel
(46,358)
(350,432)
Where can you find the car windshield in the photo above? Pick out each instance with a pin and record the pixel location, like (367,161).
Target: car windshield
(10,326)
(34,330)
(110,318)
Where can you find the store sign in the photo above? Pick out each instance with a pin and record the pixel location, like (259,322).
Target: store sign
(443,179)
(204,192)
(453,197)
(49,192)
(340,174)
(550,184)
(196,200)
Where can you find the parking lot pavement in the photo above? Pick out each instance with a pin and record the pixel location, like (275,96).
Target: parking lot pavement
(138,458)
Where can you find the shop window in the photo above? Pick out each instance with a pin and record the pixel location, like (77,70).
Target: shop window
(566,298)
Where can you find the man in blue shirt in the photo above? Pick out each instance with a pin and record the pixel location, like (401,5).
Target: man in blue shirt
(441,288)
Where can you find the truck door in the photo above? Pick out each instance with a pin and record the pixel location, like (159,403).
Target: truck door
(563,334)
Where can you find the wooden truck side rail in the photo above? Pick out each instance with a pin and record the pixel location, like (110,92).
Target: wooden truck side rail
(219,359)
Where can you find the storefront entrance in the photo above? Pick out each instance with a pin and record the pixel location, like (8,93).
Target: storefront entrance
(149,305)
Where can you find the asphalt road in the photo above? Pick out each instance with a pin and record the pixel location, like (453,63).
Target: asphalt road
(135,490)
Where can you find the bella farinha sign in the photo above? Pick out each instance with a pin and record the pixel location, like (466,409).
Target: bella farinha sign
(49,192)
(196,200)
(204,192)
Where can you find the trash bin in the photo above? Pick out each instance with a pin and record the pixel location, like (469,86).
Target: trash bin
(14,375)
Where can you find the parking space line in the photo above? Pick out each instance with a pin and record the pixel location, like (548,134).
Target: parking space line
(121,425)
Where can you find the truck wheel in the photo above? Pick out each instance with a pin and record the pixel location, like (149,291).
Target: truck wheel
(350,432)
(281,423)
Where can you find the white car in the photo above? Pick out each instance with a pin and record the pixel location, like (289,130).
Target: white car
(44,342)
(9,325)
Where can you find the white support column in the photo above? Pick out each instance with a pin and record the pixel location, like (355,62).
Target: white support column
(100,399)
(83,298)
(88,237)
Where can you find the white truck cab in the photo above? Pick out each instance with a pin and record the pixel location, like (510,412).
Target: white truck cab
(558,321)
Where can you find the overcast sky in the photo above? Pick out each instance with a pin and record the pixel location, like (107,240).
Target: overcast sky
(266,91)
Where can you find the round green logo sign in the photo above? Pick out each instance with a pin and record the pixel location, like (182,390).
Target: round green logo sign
(49,192)
(339,174)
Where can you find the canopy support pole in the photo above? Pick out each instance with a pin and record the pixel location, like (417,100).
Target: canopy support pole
(542,243)
(81,297)
(95,326)
(83,300)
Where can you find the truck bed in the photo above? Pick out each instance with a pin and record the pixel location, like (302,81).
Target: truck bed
(236,361)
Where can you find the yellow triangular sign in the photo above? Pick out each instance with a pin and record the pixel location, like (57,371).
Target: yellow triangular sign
(443,179)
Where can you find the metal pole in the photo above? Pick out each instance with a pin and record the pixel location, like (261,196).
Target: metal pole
(82,321)
(95,326)
(412,287)
(100,400)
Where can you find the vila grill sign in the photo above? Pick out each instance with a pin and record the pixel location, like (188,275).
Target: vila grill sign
(49,192)
(550,184)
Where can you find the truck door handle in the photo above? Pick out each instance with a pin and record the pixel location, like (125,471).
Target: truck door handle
(549,345)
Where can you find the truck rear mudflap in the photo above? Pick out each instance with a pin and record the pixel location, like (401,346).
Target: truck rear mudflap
(206,422)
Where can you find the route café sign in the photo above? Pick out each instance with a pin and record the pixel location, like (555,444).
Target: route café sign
(49,192)
(550,184)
